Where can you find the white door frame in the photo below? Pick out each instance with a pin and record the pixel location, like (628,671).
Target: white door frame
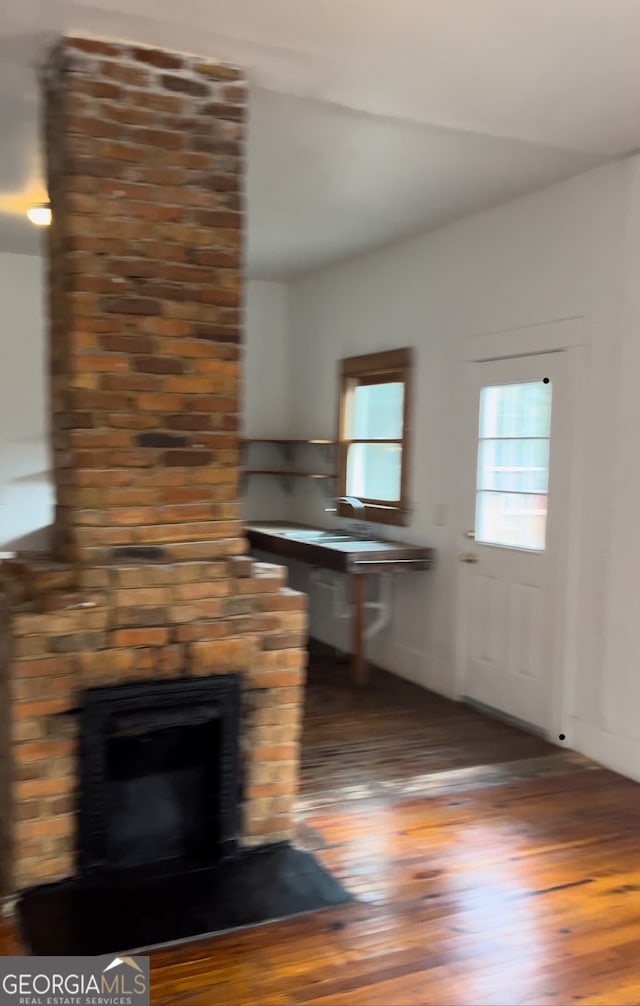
(569,336)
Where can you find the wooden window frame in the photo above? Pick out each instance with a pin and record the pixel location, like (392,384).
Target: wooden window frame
(376,368)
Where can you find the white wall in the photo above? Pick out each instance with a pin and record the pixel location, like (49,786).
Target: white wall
(266,379)
(26,498)
(570,251)
(266,398)
(612,733)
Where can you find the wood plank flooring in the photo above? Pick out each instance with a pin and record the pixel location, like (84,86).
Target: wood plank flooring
(489,868)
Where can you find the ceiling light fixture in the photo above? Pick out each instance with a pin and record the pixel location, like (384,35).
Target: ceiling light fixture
(40,215)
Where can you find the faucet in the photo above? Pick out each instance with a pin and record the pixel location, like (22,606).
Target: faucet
(359,512)
(357,506)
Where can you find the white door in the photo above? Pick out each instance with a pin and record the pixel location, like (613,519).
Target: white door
(509,628)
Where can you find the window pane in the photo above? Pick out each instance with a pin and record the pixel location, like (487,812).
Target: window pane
(515,520)
(514,465)
(373,471)
(377,412)
(516,410)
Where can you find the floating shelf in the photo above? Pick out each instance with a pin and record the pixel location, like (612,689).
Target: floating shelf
(288,474)
(288,448)
(286,440)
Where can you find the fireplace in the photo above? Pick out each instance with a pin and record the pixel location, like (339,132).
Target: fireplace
(147,654)
(147,580)
(159,859)
(159,778)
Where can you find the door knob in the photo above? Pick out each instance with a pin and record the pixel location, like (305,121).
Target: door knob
(468,557)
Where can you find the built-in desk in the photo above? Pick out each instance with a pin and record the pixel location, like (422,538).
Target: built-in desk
(342,553)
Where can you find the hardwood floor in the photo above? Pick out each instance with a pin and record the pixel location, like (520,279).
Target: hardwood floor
(489,868)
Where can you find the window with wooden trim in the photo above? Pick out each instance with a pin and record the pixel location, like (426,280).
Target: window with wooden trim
(373,438)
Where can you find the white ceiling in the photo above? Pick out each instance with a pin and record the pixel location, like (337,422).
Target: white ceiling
(370,120)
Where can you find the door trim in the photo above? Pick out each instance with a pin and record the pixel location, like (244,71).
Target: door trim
(567,336)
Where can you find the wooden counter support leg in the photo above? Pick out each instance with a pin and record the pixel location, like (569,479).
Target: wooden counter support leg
(358,667)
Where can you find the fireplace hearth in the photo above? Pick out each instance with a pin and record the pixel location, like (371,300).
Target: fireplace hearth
(138,909)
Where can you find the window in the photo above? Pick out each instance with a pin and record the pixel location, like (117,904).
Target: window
(375,398)
(513,465)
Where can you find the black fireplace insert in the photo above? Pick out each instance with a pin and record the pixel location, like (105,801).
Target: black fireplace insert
(159,774)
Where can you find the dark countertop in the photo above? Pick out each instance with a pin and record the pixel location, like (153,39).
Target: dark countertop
(337,550)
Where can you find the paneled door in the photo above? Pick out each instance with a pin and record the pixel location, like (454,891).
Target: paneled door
(515,500)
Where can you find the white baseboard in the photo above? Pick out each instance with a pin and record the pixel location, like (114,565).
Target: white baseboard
(416,666)
(413,665)
(614,751)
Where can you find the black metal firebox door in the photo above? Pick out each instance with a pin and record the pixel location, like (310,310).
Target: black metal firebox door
(159,773)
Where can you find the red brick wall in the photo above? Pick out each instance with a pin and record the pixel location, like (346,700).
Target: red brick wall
(145,166)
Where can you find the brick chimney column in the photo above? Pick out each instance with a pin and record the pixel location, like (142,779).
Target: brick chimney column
(145,173)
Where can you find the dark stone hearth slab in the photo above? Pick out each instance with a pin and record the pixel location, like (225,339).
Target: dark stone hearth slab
(136,910)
